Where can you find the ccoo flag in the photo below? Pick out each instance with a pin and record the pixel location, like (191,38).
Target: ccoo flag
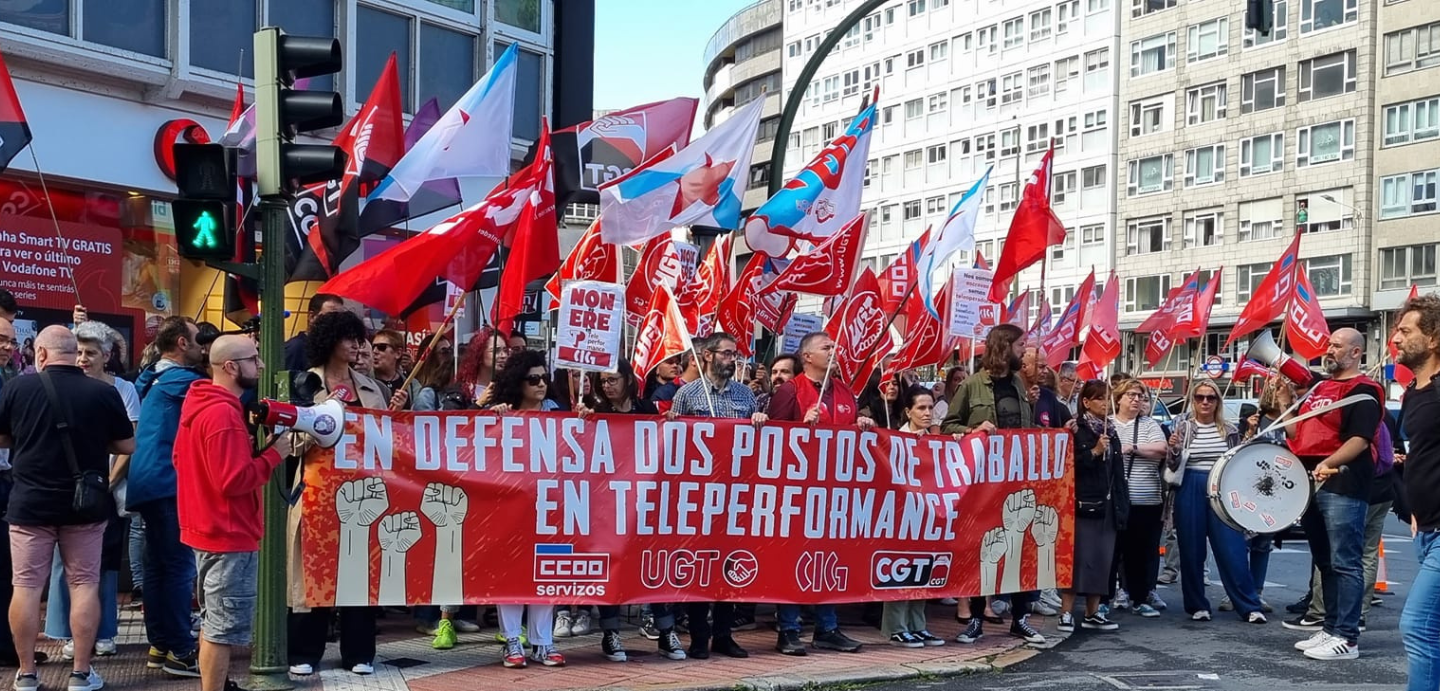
(699,185)
(820,199)
(472,138)
(957,234)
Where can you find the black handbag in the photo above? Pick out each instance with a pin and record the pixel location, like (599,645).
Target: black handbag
(1095,508)
(91,499)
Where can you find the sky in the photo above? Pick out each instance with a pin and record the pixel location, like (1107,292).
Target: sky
(651,50)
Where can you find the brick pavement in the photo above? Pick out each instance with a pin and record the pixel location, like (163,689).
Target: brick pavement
(406,662)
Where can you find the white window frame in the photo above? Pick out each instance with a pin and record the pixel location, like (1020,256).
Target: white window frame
(1195,33)
(1094,178)
(1304,140)
(1012,88)
(939,51)
(1401,50)
(1038,81)
(910,210)
(1142,110)
(1339,263)
(1132,287)
(1309,200)
(936,153)
(1138,49)
(1409,194)
(1140,8)
(1167,175)
(1350,12)
(1277,155)
(1408,123)
(1092,234)
(937,103)
(1192,224)
(1274,227)
(1195,98)
(1253,80)
(1279,29)
(1217,166)
(915,58)
(1041,24)
(1014,32)
(1408,257)
(1306,69)
(1066,69)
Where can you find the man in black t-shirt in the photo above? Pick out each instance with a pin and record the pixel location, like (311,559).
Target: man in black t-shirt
(40,509)
(1417,338)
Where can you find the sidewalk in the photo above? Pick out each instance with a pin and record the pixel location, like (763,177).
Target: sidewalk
(406,662)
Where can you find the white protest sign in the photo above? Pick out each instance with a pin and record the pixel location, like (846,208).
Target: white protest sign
(796,329)
(971,297)
(592,319)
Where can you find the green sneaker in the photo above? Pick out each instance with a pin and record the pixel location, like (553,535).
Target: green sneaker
(444,636)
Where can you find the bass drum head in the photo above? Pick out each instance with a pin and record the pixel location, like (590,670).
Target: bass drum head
(1259,487)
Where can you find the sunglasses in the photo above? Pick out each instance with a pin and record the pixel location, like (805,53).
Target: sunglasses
(1206,398)
(381,347)
(535,379)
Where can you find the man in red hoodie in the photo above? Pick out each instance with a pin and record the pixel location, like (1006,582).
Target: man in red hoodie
(219,478)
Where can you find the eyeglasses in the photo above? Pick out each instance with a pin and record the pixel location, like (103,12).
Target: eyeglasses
(611,380)
(253,358)
(1206,398)
(727,354)
(535,379)
(1137,395)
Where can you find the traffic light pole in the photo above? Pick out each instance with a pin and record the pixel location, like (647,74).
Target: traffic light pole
(269,666)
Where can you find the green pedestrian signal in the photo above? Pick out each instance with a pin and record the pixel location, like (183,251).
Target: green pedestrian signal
(202,229)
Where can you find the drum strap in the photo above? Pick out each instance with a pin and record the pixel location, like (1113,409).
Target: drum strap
(1348,400)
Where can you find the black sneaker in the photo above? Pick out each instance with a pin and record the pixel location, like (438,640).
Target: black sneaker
(612,647)
(1299,607)
(1098,622)
(973,631)
(743,622)
(834,640)
(670,645)
(905,639)
(789,644)
(648,628)
(1022,629)
(697,653)
(728,647)
(1362,623)
(1303,623)
(928,638)
(183,665)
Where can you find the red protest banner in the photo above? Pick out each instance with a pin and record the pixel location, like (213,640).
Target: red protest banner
(417,508)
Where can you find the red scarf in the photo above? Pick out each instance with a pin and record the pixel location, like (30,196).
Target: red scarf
(838,408)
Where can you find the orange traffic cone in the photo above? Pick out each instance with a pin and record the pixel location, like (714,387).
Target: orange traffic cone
(1381,586)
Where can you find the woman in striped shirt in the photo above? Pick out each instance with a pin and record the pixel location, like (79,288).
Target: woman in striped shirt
(1201,437)
(1144,449)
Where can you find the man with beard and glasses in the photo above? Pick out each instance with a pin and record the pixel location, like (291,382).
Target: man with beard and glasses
(1417,338)
(1336,448)
(219,480)
(715,394)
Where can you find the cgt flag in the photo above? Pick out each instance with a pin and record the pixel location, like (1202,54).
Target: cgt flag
(592,153)
(828,268)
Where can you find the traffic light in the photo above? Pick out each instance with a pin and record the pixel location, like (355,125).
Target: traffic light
(205,210)
(282,112)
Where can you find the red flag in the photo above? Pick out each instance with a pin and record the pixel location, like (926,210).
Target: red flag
(700,297)
(1044,318)
(736,315)
(660,264)
(1177,310)
(1198,321)
(1271,297)
(590,260)
(1250,368)
(1066,335)
(858,327)
(14,129)
(925,336)
(1034,228)
(1018,312)
(534,240)
(1102,345)
(980,262)
(900,275)
(237,109)
(826,269)
(1403,374)
(1162,323)
(662,333)
(1158,346)
(1305,324)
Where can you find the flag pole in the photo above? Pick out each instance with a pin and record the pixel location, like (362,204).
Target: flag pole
(430,345)
(704,376)
(64,247)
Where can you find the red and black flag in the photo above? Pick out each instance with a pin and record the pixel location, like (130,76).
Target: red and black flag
(14,130)
(607,147)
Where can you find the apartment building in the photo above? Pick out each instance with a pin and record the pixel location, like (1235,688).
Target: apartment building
(742,63)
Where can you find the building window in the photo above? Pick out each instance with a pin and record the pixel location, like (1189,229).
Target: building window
(1278,28)
(1010,142)
(915,58)
(914,108)
(381,33)
(1416,121)
(964,42)
(938,103)
(1067,11)
(1037,138)
(1095,120)
(1014,32)
(1325,211)
(1412,49)
(1205,165)
(1151,55)
(939,51)
(985,92)
(1318,15)
(914,159)
(985,144)
(1063,185)
(222,30)
(1039,81)
(521,14)
(1329,75)
(1262,154)
(1262,90)
(1009,196)
(1402,267)
(1330,275)
(1207,40)
(139,25)
(1095,6)
(1147,235)
(829,131)
(1066,69)
(1040,25)
(987,39)
(917,8)
(793,50)
(849,83)
(935,206)
(1327,143)
(912,210)
(1092,178)
(1261,219)
(935,154)
(1205,104)
(1092,234)
(1012,88)
(1145,293)
(1139,8)
(1408,194)
(1204,229)
(1151,115)
(447,65)
(1097,60)
(1248,278)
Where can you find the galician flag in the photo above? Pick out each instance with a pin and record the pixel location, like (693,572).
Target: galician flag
(472,139)
(699,185)
(958,233)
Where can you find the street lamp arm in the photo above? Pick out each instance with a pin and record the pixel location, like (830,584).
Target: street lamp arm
(797,92)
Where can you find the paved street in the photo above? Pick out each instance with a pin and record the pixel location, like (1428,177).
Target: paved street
(1224,654)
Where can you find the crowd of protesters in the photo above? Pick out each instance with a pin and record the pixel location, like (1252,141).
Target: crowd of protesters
(171,444)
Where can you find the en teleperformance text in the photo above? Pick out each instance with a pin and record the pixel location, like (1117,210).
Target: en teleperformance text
(685,505)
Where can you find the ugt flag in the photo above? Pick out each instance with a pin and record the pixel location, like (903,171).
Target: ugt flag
(820,199)
(700,185)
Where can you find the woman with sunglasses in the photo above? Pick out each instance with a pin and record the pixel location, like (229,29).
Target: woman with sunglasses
(1102,508)
(520,388)
(1143,450)
(1201,437)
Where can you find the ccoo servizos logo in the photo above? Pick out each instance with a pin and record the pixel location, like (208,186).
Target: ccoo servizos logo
(562,564)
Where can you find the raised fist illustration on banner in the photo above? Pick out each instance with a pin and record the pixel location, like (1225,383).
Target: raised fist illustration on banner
(446,506)
(1045,530)
(1018,513)
(398,533)
(358,503)
(992,547)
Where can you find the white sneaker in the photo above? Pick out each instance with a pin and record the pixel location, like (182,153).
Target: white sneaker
(563,622)
(581,625)
(1315,639)
(363,668)
(1334,648)
(302,669)
(105,647)
(67,652)
(464,626)
(85,681)
(1202,615)
(1256,618)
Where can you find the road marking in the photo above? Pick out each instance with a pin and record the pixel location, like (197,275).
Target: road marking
(1118,680)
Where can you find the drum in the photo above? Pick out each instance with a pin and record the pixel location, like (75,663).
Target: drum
(1259,487)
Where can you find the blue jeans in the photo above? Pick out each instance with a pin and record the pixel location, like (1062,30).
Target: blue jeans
(1420,621)
(137,552)
(1195,524)
(169,579)
(1335,527)
(1259,547)
(825,618)
(57,610)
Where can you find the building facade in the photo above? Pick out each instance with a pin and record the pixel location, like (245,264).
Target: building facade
(108,87)
(742,63)
(966,85)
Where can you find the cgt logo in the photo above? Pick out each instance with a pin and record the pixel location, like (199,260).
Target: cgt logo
(562,564)
(910,569)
